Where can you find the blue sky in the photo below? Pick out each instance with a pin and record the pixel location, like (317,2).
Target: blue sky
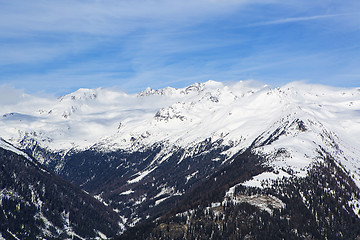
(59,46)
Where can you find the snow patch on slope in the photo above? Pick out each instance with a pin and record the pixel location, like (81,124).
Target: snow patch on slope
(354,203)
(9,147)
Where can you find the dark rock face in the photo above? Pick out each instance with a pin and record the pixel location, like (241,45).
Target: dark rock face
(38,204)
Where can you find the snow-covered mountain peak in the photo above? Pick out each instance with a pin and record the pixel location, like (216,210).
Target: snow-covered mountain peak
(168,91)
(192,90)
(195,88)
(81,94)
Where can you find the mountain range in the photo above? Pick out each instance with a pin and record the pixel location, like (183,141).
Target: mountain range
(211,160)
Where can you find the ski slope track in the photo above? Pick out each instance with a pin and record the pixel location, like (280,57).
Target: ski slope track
(293,127)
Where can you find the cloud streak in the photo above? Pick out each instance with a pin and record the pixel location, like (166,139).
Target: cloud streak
(296,19)
(107,17)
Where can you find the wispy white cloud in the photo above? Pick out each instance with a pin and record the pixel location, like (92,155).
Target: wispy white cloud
(107,17)
(296,19)
(42,31)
